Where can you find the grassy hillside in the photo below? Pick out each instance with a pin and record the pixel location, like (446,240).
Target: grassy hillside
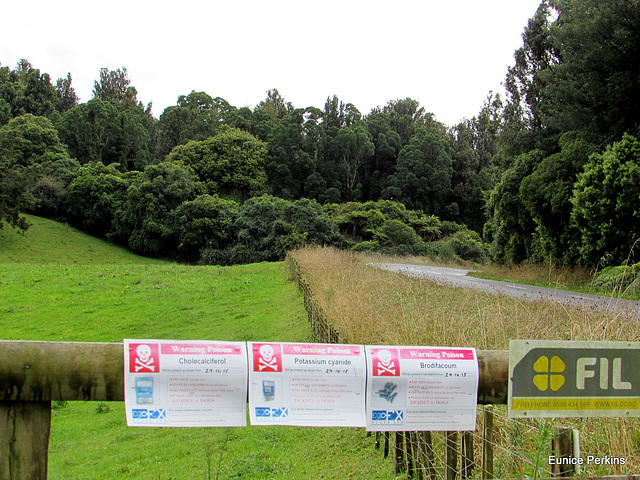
(58,284)
(49,242)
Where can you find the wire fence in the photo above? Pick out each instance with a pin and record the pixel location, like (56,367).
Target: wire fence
(499,447)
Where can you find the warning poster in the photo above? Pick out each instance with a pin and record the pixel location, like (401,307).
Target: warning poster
(185,383)
(306,384)
(421,388)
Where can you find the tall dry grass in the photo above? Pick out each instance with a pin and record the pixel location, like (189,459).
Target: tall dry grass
(372,306)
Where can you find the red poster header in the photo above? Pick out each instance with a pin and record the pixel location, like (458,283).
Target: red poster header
(436,354)
(321,349)
(199,349)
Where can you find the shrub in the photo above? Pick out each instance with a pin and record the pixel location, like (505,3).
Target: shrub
(622,277)
(467,245)
(445,252)
(398,238)
(366,246)
(208,222)
(49,194)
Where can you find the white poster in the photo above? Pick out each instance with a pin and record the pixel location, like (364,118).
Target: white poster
(306,384)
(421,388)
(172,383)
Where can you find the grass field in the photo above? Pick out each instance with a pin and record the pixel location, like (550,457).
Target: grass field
(59,285)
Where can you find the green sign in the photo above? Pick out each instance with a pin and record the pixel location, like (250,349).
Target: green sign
(574,379)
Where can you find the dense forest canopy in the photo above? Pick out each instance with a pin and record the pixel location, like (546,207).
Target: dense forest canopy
(549,171)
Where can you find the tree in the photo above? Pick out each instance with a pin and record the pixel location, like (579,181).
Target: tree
(387,145)
(5,112)
(422,180)
(31,140)
(197,116)
(465,163)
(360,221)
(287,164)
(211,114)
(538,54)
(94,197)
(510,222)
(595,87)
(339,147)
(308,218)
(51,188)
(28,144)
(262,124)
(524,128)
(67,98)
(91,132)
(406,116)
(486,128)
(114,86)
(268,226)
(357,221)
(275,106)
(605,204)
(205,223)
(230,164)
(338,114)
(97,131)
(14,197)
(25,90)
(172,122)
(355,147)
(473,144)
(8,92)
(260,223)
(313,135)
(135,150)
(547,194)
(146,219)
(242,118)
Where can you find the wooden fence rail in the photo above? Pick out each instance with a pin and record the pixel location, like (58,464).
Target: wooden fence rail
(32,374)
(45,371)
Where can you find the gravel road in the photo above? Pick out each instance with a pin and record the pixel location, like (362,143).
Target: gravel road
(457,277)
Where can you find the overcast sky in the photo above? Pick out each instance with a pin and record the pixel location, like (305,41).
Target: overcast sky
(447,54)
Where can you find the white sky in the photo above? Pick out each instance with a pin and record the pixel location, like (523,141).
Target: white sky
(447,54)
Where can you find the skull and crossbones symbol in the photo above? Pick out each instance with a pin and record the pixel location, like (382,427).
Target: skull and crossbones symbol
(385,363)
(144,359)
(267,359)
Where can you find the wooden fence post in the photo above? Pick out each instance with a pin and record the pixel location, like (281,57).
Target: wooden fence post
(451,455)
(487,444)
(418,454)
(467,455)
(409,442)
(426,455)
(399,465)
(24,440)
(562,447)
(386,444)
